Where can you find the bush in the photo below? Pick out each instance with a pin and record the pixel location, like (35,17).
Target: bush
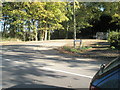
(70,49)
(9,39)
(85,47)
(114,39)
(76,50)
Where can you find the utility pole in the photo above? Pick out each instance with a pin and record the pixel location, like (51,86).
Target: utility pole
(74,23)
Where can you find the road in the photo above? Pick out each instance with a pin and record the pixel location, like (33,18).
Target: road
(39,65)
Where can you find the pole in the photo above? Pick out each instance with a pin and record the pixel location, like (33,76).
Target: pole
(74,23)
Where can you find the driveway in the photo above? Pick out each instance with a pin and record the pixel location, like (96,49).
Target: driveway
(39,65)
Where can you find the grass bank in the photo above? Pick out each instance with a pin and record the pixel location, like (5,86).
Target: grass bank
(96,49)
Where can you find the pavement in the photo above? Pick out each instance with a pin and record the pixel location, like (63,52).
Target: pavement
(39,65)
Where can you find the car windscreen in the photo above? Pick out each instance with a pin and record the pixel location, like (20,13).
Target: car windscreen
(112,64)
(109,66)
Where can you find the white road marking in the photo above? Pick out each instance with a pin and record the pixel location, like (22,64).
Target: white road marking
(8,59)
(67,72)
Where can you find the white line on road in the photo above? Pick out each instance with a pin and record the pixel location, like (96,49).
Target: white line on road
(8,59)
(67,72)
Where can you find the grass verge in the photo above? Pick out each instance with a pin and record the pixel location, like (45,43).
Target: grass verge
(99,50)
(9,39)
(76,50)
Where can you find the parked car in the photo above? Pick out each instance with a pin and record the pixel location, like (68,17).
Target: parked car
(108,77)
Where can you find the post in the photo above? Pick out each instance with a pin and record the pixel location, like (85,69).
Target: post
(80,43)
(74,23)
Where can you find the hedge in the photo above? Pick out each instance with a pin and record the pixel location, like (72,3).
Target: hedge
(114,39)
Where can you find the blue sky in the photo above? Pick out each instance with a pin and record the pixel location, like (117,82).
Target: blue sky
(0,25)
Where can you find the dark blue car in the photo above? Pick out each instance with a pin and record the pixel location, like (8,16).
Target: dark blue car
(108,77)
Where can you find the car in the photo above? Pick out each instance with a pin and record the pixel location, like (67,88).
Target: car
(108,77)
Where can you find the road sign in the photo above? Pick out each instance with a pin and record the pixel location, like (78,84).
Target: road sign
(78,41)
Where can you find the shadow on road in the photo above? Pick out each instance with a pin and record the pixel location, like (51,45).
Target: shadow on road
(36,86)
(25,53)
(100,51)
(17,61)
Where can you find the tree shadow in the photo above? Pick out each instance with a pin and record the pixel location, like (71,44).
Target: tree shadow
(20,65)
(18,62)
(101,45)
(35,86)
(101,51)
(28,55)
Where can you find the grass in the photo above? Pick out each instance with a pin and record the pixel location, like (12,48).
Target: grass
(9,39)
(113,48)
(91,49)
(76,50)
(97,51)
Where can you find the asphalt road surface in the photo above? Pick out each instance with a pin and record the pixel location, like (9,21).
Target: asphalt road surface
(39,65)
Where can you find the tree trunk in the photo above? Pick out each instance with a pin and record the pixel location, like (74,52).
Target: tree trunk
(12,31)
(41,35)
(45,35)
(67,32)
(24,37)
(74,23)
(35,29)
(39,26)
(46,31)
(49,35)
(36,33)
(4,30)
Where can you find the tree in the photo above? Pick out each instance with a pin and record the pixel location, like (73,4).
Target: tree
(36,20)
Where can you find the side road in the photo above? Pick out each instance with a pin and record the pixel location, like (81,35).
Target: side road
(38,64)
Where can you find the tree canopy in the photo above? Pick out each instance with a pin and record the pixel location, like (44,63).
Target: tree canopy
(40,20)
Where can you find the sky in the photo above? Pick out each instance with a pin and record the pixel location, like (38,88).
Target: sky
(1,25)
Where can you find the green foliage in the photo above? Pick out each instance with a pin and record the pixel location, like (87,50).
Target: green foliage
(34,18)
(66,48)
(85,47)
(114,39)
(70,49)
(76,50)
(112,47)
(9,39)
(31,17)
(113,35)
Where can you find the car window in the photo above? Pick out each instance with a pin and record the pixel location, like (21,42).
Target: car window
(112,64)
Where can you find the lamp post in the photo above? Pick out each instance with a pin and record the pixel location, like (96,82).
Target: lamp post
(74,23)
